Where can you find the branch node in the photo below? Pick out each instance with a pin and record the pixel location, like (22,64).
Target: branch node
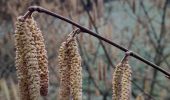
(76,31)
(126,57)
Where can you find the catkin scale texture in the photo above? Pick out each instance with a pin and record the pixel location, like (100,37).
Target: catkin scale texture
(41,55)
(75,69)
(64,90)
(70,70)
(122,82)
(26,62)
(126,83)
(117,82)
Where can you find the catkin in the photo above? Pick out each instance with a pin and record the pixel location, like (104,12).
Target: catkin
(117,75)
(70,70)
(41,55)
(126,82)
(122,82)
(26,62)
(64,91)
(75,68)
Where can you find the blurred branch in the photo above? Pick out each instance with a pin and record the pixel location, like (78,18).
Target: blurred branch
(147,15)
(160,49)
(94,25)
(87,68)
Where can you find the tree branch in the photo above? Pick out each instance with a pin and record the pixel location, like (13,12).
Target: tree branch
(83,29)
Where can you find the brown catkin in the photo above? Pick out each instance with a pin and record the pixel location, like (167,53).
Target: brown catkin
(122,81)
(41,55)
(26,62)
(126,82)
(64,90)
(75,68)
(116,82)
(70,70)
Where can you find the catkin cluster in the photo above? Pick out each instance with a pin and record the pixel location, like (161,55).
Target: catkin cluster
(26,62)
(122,82)
(70,70)
(31,60)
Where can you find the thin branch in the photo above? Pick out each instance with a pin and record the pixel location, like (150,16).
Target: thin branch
(147,15)
(83,29)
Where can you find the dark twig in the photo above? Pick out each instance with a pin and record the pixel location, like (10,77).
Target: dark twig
(83,29)
(147,15)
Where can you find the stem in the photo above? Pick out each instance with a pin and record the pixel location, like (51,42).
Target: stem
(126,57)
(83,29)
(27,14)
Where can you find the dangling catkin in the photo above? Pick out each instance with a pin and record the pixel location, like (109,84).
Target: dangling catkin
(26,62)
(122,82)
(70,70)
(126,82)
(41,55)
(75,68)
(116,82)
(64,91)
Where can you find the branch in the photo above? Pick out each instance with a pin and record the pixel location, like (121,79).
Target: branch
(83,29)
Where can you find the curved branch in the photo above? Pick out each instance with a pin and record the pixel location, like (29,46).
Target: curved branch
(83,29)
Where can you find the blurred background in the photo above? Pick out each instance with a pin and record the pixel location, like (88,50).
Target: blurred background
(139,25)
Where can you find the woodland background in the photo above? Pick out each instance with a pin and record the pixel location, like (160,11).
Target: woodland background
(140,25)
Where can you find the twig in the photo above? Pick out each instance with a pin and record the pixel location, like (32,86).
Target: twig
(83,29)
(147,15)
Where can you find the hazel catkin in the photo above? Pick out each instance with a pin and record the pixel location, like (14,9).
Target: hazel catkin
(26,62)
(75,68)
(126,82)
(20,67)
(116,83)
(70,69)
(122,81)
(41,55)
(64,90)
